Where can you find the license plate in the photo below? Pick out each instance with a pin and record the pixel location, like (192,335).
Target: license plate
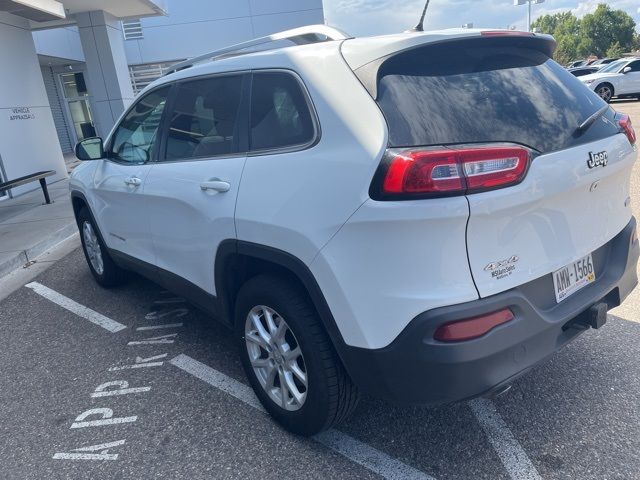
(571,278)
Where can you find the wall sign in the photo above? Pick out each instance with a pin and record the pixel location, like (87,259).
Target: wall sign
(21,113)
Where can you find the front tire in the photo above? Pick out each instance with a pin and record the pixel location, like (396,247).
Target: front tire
(605,91)
(289,359)
(102,266)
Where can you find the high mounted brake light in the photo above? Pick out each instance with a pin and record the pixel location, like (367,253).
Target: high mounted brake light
(506,33)
(421,173)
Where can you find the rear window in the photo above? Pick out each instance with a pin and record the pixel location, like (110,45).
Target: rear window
(484,90)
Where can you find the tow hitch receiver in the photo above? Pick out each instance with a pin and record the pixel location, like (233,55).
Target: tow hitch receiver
(598,315)
(595,317)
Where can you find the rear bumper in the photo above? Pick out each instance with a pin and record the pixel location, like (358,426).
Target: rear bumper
(416,369)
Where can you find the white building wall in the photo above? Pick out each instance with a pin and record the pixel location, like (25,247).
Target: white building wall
(28,139)
(194,27)
(63,42)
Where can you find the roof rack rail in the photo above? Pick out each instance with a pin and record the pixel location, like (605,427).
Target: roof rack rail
(299,36)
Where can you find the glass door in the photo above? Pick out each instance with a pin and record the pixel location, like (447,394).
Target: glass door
(75,92)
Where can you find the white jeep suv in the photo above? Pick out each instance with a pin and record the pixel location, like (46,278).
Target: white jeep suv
(422,217)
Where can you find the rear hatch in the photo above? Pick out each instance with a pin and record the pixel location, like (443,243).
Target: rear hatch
(492,92)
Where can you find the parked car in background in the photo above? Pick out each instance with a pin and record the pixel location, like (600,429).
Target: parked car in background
(352,243)
(603,61)
(577,63)
(581,71)
(618,79)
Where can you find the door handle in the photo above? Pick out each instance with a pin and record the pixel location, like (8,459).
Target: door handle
(215,184)
(133,181)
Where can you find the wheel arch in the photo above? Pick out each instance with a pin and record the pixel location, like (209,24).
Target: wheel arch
(78,202)
(606,82)
(237,261)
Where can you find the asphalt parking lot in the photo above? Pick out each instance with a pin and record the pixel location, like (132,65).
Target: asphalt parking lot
(134,383)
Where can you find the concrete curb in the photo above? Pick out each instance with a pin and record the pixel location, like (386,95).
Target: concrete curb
(38,249)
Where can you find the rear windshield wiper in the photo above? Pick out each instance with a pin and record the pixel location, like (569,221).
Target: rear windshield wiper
(584,126)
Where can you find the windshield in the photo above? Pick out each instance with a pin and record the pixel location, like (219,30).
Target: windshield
(472,92)
(613,67)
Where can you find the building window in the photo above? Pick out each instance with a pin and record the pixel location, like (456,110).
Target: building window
(132,29)
(143,75)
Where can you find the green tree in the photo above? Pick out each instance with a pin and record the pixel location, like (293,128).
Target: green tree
(600,33)
(565,27)
(615,50)
(606,27)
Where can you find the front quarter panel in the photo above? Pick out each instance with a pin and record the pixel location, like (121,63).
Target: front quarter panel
(81,179)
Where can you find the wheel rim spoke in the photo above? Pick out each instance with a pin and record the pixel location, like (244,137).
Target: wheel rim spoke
(255,338)
(270,378)
(271,324)
(284,389)
(260,329)
(278,335)
(297,371)
(292,355)
(296,395)
(261,363)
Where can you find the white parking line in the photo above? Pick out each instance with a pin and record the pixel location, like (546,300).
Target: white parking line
(356,451)
(369,457)
(74,307)
(511,453)
(160,327)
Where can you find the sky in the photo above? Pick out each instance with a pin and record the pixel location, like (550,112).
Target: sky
(375,17)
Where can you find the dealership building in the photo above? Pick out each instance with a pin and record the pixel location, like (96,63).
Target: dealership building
(70,67)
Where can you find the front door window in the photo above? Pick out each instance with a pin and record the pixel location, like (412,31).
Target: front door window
(75,92)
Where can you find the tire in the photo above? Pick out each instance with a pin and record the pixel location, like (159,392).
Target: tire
(605,91)
(329,394)
(101,265)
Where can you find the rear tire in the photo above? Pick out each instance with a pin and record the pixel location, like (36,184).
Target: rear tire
(101,265)
(326,395)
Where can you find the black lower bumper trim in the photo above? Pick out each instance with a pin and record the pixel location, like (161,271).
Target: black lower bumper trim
(416,369)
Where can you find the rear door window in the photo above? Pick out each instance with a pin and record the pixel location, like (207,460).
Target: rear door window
(204,120)
(280,114)
(480,91)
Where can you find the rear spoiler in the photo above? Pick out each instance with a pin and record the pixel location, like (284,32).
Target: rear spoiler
(368,74)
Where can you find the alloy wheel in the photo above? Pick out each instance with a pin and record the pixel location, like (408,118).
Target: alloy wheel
(92,246)
(605,93)
(276,358)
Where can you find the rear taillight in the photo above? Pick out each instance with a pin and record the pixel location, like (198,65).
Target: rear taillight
(453,171)
(471,328)
(625,123)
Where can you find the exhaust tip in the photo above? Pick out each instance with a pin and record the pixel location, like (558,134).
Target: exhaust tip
(499,392)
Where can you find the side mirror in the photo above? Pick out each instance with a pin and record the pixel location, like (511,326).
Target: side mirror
(90,149)
(626,69)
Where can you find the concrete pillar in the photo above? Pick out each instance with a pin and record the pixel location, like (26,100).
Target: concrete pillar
(28,139)
(107,70)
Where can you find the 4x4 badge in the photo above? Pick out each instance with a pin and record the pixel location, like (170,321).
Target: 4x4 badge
(598,159)
(502,268)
